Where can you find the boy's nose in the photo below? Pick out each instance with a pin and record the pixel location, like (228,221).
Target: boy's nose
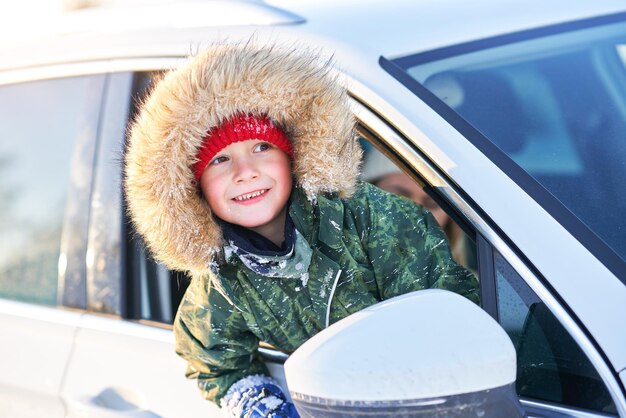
(245,171)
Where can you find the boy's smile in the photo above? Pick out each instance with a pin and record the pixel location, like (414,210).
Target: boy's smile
(250,198)
(248,183)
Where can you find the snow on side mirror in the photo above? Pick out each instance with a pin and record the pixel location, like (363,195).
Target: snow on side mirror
(424,354)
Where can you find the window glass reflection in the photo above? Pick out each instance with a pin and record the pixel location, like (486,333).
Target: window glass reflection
(39,123)
(556,106)
(550,364)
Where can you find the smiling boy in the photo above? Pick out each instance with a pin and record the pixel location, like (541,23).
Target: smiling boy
(248,182)
(241,169)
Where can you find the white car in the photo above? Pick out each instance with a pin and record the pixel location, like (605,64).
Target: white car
(512,115)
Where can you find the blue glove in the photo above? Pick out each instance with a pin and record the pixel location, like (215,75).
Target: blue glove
(266,401)
(258,397)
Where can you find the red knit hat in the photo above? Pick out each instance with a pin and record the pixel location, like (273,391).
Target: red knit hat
(239,128)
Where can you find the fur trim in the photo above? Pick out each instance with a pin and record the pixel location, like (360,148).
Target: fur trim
(295,88)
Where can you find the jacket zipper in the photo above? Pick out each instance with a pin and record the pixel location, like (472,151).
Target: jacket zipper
(330,298)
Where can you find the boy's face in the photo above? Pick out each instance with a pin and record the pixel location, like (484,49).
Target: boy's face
(248,183)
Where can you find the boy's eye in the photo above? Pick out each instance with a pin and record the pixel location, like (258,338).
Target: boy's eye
(218,160)
(262,146)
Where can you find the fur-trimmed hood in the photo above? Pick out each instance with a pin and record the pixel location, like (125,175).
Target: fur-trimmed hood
(294,88)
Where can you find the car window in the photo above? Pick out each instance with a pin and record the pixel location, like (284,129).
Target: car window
(551,366)
(553,109)
(39,126)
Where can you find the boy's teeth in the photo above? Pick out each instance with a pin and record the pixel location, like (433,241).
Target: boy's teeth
(250,195)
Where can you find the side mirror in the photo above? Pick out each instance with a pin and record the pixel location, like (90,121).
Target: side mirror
(424,354)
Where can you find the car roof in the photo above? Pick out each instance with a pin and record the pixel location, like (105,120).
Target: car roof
(177,28)
(406,26)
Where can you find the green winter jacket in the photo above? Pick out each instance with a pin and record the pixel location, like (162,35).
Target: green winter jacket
(366,249)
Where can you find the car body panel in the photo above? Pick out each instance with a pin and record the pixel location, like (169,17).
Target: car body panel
(36,346)
(96,383)
(412,26)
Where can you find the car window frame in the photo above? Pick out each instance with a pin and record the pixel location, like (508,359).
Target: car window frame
(105,274)
(489,237)
(71,290)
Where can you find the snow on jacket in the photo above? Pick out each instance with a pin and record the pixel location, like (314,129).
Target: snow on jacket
(366,245)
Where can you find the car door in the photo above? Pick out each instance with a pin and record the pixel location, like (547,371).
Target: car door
(47,134)
(560,372)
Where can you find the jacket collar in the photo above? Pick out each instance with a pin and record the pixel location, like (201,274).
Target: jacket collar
(328,229)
